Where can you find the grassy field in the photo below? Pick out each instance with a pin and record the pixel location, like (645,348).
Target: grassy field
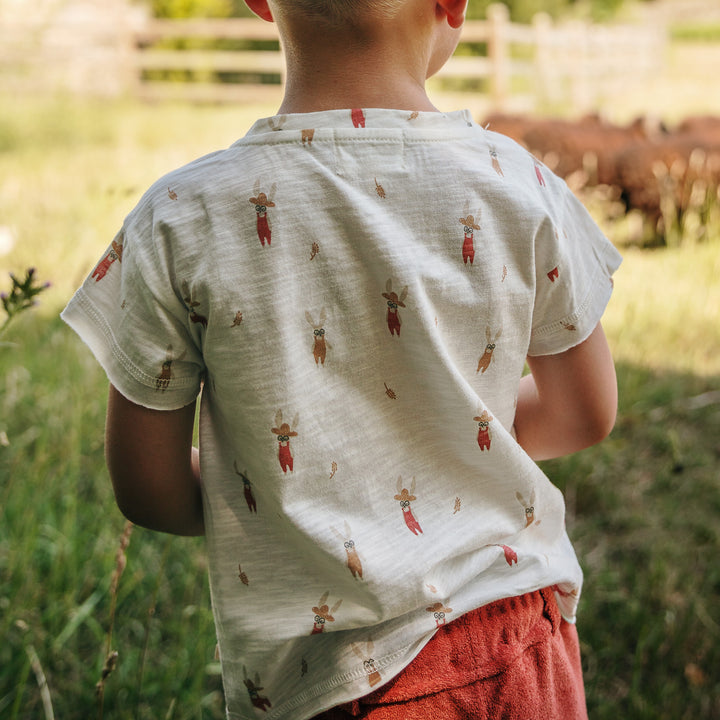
(643,507)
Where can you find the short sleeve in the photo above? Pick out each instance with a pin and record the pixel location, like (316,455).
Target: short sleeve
(135,322)
(574,265)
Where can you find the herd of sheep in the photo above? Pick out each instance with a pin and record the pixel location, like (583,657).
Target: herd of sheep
(647,163)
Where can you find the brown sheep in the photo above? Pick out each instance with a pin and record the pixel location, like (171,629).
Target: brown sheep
(675,167)
(589,144)
(514,126)
(705,126)
(647,164)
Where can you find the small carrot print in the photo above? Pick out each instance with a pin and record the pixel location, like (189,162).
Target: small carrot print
(243,577)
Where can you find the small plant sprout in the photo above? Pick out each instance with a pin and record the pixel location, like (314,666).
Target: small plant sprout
(21,296)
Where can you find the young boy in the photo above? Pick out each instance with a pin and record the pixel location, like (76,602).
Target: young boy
(356,287)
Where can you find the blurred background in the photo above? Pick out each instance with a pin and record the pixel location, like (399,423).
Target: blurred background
(100,98)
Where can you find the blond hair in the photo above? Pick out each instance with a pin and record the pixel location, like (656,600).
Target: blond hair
(341,12)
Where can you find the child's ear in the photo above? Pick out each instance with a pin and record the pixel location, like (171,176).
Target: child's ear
(260,8)
(454,10)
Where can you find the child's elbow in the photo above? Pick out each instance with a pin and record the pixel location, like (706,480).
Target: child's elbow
(131,496)
(131,509)
(598,423)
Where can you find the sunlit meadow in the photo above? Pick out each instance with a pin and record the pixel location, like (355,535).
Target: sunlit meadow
(77,584)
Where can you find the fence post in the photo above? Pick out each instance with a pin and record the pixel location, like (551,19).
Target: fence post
(546,76)
(136,22)
(579,65)
(499,19)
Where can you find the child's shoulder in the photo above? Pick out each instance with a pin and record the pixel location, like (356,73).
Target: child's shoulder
(195,176)
(191,190)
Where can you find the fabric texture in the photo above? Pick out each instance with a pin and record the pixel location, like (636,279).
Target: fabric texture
(514,658)
(355,293)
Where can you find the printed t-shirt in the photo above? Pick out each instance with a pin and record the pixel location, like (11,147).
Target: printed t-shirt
(353,295)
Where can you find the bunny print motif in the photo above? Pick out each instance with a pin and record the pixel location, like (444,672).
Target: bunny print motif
(247,490)
(484,437)
(254,688)
(320,344)
(115,253)
(191,305)
(439,611)
(162,381)
(358,117)
(486,357)
(393,303)
(496,162)
(468,248)
(405,498)
(284,432)
(353,559)
(262,202)
(510,555)
(529,507)
(323,613)
(368,662)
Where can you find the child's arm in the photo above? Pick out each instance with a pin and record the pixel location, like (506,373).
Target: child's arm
(569,401)
(153,466)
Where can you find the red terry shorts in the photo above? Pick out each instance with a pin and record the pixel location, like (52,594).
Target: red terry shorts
(514,659)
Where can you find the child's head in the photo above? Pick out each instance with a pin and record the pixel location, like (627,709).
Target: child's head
(355,53)
(342,12)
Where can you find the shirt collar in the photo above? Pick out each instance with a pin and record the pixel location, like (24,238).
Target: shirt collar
(370,118)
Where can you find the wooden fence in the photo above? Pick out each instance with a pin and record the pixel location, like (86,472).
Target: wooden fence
(507,64)
(261,71)
(109,47)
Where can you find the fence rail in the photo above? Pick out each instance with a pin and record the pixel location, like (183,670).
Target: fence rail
(499,64)
(528,65)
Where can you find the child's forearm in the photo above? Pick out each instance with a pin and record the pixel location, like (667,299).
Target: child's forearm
(169,503)
(569,401)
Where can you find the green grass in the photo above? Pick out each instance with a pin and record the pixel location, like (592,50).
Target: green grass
(59,533)
(643,507)
(643,514)
(696,32)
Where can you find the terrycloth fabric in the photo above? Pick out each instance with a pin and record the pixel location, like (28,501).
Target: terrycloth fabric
(513,659)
